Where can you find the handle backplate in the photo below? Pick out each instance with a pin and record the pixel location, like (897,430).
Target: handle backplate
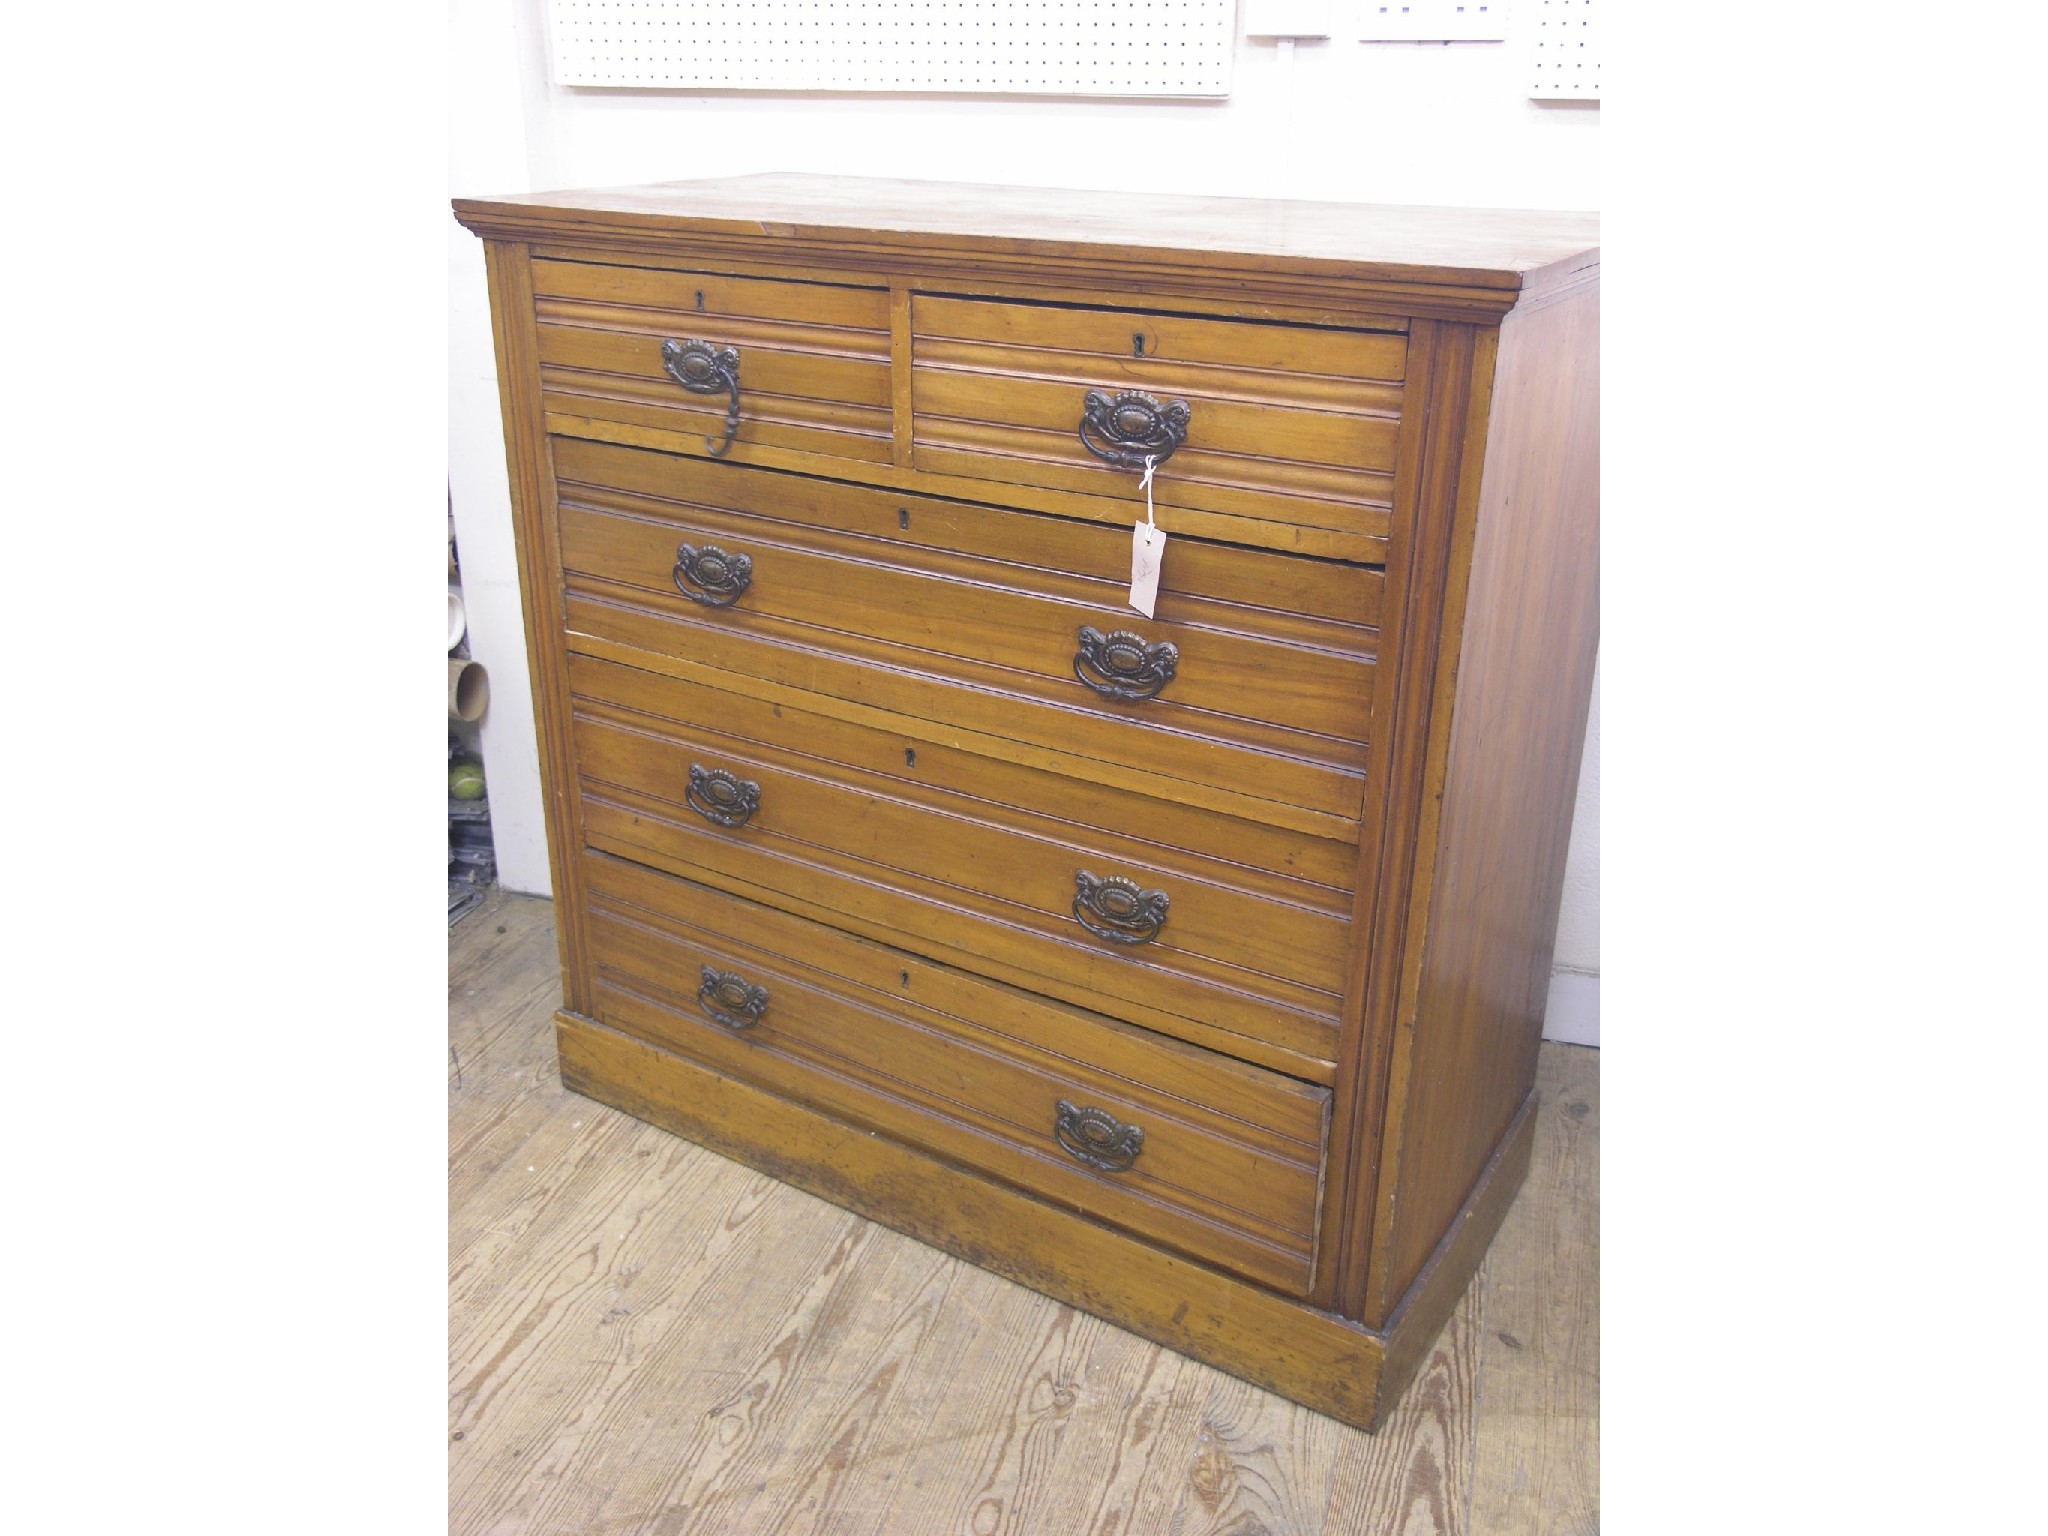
(1117,909)
(704,368)
(721,797)
(1128,428)
(732,1000)
(710,576)
(1124,666)
(1096,1137)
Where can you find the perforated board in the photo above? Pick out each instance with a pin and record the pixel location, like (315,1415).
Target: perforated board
(1025,47)
(1564,48)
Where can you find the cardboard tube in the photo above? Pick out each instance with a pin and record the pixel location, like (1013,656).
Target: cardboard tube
(458,621)
(468,690)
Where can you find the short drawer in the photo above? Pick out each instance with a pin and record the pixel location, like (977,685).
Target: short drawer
(643,354)
(1186,1148)
(1265,703)
(1287,423)
(1189,945)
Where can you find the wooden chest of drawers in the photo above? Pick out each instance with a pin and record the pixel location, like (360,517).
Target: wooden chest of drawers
(1189,968)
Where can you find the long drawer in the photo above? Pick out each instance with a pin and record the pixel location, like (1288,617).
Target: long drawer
(1291,423)
(1210,1156)
(1191,945)
(810,360)
(1261,703)
(1281,864)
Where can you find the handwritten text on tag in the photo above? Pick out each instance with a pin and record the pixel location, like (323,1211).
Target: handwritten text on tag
(1148,544)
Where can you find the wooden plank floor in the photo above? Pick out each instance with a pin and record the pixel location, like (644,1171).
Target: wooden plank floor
(647,1338)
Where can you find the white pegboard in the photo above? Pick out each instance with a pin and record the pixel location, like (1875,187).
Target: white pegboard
(1564,49)
(1029,47)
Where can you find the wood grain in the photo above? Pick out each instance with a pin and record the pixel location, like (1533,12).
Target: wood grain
(899,373)
(1314,678)
(1264,768)
(1272,490)
(537,547)
(1232,438)
(502,1082)
(657,1340)
(1350,532)
(1233,1194)
(1420,559)
(1025,864)
(1294,355)
(1387,386)
(1536,1473)
(814,358)
(1282,1116)
(979,933)
(872,714)
(1318,1360)
(1519,661)
(861,313)
(1267,859)
(739,259)
(1459,258)
(1202,583)
(813,895)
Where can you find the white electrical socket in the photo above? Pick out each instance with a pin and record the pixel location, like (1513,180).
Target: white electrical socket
(1432,21)
(1286,18)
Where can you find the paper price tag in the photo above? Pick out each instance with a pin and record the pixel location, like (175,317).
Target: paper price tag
(1148,544)
(1148,548)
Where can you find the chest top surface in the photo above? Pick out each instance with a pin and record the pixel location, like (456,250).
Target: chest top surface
(1488,248)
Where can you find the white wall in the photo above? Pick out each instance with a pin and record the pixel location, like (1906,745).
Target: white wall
(1574,1012)
(1416,123)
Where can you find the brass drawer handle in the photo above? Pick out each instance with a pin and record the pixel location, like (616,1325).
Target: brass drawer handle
(1117,910)
(1132,668)
(1131,427)
(722,797)
(732,1000)
(704,369)
(1096,1137)
(718,577)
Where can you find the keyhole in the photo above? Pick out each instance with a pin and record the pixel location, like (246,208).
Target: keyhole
(910,757)
(700,298)
(904,978)
(1137,344)
(903,517)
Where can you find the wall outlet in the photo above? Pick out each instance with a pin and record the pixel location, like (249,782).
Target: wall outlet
(1432,21)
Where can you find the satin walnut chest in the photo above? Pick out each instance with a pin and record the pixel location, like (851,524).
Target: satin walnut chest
(1187,967)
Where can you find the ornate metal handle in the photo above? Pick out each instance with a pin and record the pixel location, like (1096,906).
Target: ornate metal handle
(718,577)
(1131,427)
(704,369)
(720,797)
(732,1000)
(1096,1137)
(1132,668)
(1117,910)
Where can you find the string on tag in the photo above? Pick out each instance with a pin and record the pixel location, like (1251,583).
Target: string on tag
(1146,483)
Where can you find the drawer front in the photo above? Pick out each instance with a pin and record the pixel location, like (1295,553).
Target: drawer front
(1185,1148)
(1269,705)
(811,360)
(1291,423)
(1143,932)
(1284,591)
(1309,871)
